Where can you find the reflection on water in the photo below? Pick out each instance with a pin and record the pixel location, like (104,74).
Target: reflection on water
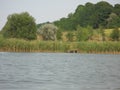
(61,71)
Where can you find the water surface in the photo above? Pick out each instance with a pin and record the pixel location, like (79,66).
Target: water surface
(60,71)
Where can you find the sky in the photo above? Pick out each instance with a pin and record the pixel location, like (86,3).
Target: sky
(42,10)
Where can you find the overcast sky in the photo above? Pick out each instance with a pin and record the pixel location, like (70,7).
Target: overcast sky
(42,10)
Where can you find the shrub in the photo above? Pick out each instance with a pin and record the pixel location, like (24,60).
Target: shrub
(115,34)
(20,26)
(48,31)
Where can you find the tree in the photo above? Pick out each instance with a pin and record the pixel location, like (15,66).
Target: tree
(70,36)
(79,15)
(66,23)
(48,31)
(83,34)
(59,34)
(113,21)
(20,26)
(83,15)
(117,9)
(115,35)
(102,11)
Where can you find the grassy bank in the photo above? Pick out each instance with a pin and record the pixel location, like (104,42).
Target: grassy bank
(19,45)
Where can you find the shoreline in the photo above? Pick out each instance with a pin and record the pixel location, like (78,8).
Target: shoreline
(46,51)
(18,45)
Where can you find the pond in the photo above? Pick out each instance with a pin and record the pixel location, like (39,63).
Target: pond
(59,71)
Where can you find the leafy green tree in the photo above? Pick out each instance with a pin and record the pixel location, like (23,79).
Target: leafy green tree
(84,34)
(48,31)
(113,21)
(59,34)
(83,15)
(115,35)
(117,9)
(90,31)
(102,11)
(70,36)
(79,15)
(20,26)
(66,23)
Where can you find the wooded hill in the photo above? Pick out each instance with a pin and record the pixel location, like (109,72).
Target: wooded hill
(101,14)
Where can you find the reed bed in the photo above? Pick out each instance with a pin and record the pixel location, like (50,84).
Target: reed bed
(19,45)
(99,47)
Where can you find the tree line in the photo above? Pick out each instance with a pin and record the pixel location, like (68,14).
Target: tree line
(101,14)
(86,18)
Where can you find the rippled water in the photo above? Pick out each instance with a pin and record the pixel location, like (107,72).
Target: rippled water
(61,71)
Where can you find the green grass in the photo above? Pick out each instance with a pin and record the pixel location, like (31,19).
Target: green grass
(99,47)
(20,45)
(14,45)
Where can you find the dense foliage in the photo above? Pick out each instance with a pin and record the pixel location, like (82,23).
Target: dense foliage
(115,35)
(20,26)
(48,31)
(69,36)
(84,34)
(59,34)
(95,15)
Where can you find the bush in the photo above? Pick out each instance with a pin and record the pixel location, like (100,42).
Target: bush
(83,34)
(70,36)
(59,34)
(115,34)
(20,26)
(48,31)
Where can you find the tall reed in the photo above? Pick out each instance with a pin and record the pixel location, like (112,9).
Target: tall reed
(19,45)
